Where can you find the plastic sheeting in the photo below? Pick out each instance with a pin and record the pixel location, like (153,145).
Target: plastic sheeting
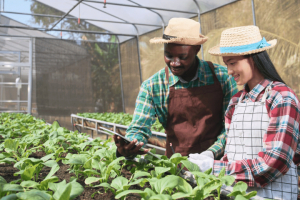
(132,17)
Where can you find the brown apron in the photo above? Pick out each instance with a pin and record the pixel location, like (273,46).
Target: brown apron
(194,118)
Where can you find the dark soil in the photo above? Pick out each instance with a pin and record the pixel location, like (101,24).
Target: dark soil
(37,155)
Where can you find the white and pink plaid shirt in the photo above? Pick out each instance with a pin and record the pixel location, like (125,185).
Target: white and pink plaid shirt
(281,141)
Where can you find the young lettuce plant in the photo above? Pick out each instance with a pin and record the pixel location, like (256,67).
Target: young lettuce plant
(239,191)
(172,163)
(169,187)
(207,183)
(76,162)
(66,191)
(106,171)
(118,185)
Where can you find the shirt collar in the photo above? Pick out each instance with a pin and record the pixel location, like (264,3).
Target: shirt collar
(253,94)
(200,74)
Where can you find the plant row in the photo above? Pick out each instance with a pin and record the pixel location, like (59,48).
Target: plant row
(119,118)
(95,163)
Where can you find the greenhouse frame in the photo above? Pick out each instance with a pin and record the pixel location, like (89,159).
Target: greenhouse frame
(70,74)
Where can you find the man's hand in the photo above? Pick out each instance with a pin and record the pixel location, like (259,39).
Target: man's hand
(129,149)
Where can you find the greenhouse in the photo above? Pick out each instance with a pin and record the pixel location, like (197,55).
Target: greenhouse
(77,74)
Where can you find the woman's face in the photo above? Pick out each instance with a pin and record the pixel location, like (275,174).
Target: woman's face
(242,69)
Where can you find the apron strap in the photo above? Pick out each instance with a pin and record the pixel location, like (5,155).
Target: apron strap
(167,74)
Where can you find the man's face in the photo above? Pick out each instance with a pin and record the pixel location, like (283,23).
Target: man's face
(180,58)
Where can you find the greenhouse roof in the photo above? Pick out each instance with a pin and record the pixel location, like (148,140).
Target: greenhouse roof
(125,18)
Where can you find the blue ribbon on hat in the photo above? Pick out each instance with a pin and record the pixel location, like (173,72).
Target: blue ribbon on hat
(245,48)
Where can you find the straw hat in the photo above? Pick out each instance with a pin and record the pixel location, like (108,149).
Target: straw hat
(241,40)
(181,31)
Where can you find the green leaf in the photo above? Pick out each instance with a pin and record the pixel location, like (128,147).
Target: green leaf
(88,164)
(222,173)
(119,182)
(139,174)
(90,180)
(208,171)
(177,158)
(10,197)
(45,183)
(202,181)
(11,145)
(34,195)
(60,130)
(170,182)
(234,194)
(12,188)
(125,193)
(78,159)
(179,195)
(161,197)
(197,193)
(54,186)
(240,186)
(160,170)
(8,160)
(55,125)
(2,180)
(53,170)
(63,193)
(28,172)
(50,163)
(111,166)
(227,180)
(250,194)
(210,186)
(137,181)
(192,167)
(77,189)
(29,184)
(240,197)
(47,157)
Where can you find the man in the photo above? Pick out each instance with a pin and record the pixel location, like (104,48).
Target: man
(189,96)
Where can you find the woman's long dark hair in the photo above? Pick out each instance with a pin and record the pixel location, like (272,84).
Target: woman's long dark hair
(265,66)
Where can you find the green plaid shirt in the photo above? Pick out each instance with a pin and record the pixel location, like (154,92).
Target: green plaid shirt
(153,98)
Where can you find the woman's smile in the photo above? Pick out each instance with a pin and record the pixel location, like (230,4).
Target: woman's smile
(236,77)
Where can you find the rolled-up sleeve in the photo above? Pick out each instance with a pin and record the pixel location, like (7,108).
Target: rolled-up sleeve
(143,117)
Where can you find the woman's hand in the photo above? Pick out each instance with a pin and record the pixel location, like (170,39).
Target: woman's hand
(129,149)
(204,160)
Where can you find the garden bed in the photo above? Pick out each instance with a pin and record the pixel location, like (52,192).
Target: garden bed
(54,163)
(158,139)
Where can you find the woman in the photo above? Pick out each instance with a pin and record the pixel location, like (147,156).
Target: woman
(262,120)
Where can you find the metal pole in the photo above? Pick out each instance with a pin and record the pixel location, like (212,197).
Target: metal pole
(146,7)
(65,15)
(65,30)
(121,79)
(198,8)
(30,76)
(253,12)
(138,50)
(86,19)
(19,89)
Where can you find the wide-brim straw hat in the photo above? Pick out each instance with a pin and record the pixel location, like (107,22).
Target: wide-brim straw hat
(181,31)
(241,40)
